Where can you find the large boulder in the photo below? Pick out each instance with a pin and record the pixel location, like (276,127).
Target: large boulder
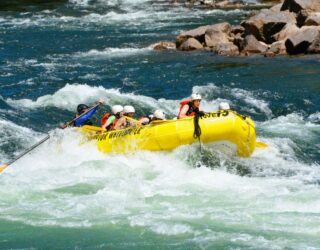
(313,19)
(298,5)
(252,46)
(227,49)
(288,30)
(191,44)
(299,43)
(267,23)
(303,8)
(278,48)
(215,37)
(199,33)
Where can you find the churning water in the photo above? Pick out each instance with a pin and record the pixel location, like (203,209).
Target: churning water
(66,194)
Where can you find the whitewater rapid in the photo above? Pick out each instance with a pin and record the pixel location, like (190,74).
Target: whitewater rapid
(68,183)
(67,194)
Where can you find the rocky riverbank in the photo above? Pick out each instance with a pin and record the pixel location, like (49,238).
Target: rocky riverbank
(291,27)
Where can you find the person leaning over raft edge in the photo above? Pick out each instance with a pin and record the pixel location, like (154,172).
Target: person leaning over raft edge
(190,107)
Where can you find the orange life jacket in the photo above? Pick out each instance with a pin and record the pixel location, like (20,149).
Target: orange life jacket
(191,111)
(104,120)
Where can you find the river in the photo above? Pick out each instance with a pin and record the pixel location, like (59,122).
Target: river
(68,195)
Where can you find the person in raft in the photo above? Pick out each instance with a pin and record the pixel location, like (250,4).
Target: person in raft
(85,119)
(158,115)
(129,112)
(190,107)
(114,121)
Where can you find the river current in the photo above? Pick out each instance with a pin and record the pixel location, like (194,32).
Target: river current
(68,195)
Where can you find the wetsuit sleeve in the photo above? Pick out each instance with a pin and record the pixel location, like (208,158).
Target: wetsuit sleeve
(82,120)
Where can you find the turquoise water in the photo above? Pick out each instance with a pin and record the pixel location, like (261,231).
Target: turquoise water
(68,195)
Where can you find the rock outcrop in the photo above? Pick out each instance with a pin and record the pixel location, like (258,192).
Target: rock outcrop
(252,46)
(299,42)
(291,27)
(267,23)
(217,34)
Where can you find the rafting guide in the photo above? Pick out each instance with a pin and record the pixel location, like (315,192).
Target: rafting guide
(190,107)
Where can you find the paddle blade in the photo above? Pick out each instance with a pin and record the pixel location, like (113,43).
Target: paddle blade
(88,128)
(3,167)
(260,144)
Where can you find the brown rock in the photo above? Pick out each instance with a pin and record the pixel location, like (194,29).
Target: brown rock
(314,47)
(252,46)
(199,32)
(227,49)
(300,42)
(278,48)
(163,45)
(288,30)
(303,8)
(313,19)
(267,23)
(191,44)
(298,5)
(214,37)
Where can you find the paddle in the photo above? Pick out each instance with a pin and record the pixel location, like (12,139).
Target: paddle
(129,118)
(4,166)
(260,144)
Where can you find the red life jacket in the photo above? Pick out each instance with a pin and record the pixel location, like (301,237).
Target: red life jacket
(191,111)
(104,120)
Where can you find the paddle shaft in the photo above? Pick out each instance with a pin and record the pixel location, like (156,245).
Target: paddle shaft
(4,166)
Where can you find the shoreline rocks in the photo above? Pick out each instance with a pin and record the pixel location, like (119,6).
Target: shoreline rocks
(291,27)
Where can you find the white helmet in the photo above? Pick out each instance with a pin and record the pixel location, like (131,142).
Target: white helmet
(128,109)
(195,96)
(116,109)
(224,106)
(159,114)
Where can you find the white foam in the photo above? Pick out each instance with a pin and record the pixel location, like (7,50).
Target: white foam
(210,90)
(250,99)
(315,118)
(112,52)
(67,184)
(291,125)
(12,133)
(70,96)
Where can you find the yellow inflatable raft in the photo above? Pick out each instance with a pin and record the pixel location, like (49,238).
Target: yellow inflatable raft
(225,128)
